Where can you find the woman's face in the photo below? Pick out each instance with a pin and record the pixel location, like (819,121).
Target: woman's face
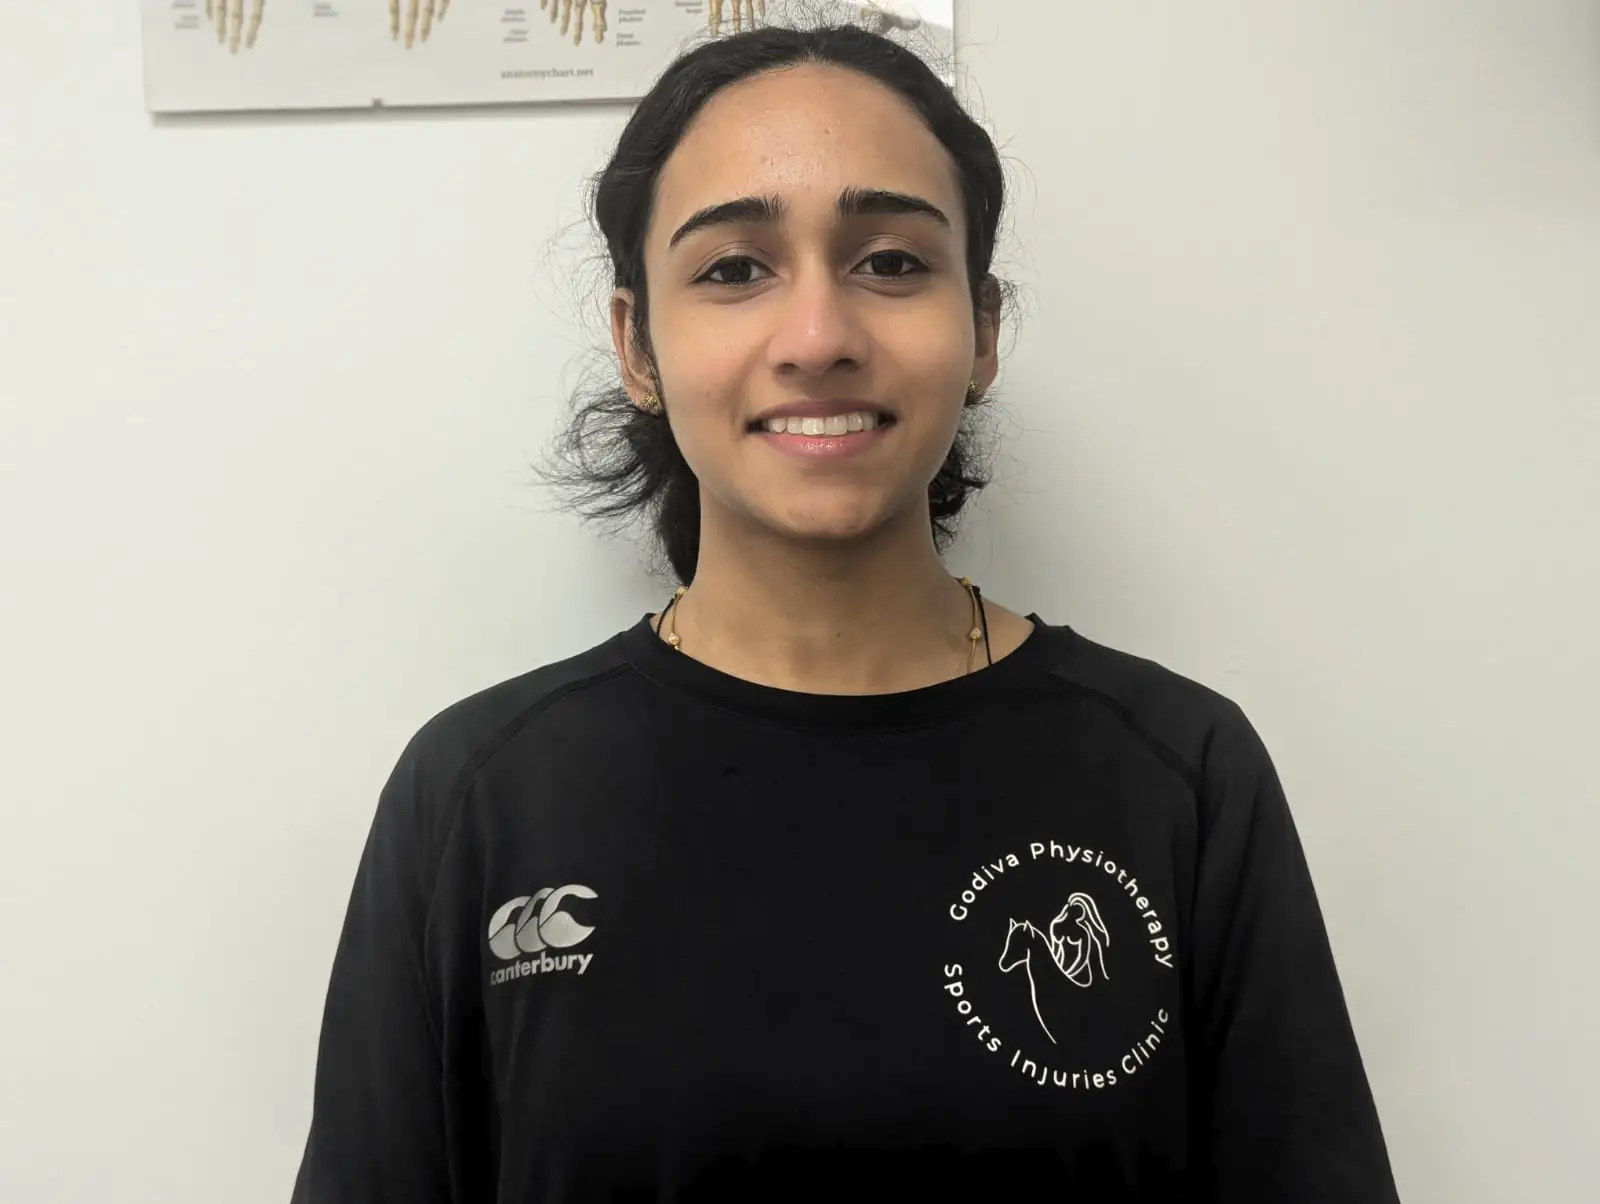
(807,275)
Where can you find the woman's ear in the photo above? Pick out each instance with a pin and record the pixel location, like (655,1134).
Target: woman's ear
(638,374)
(986,328)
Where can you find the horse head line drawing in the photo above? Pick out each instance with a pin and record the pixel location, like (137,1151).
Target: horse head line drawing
(1077,926)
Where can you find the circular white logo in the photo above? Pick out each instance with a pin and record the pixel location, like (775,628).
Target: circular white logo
(1062,966)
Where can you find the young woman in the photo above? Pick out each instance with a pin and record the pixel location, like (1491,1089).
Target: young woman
(832,878)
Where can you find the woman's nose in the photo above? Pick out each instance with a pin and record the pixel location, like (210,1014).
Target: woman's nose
(817,326)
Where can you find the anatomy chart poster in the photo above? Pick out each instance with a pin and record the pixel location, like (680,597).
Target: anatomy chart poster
(218,55)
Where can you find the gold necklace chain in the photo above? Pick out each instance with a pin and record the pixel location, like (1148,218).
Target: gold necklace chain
(973,637)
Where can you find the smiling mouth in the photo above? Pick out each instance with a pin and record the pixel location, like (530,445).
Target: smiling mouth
(855,422)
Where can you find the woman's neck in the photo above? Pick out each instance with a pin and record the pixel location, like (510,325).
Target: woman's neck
(874,617)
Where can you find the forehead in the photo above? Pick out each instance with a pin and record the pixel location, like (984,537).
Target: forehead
(804,133)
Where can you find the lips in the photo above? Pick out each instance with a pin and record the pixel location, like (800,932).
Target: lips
(835,424)
(818,416)
(836,436)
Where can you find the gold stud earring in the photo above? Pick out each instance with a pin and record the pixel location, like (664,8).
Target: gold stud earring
(973,392)
(650,404)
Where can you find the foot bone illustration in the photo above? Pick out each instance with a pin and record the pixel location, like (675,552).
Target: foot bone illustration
(563,10)
(751,10)
(228,17)
(417,22)
(882,16)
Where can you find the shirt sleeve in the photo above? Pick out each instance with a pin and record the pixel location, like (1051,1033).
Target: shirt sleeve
(1285,1107)
(377,1131)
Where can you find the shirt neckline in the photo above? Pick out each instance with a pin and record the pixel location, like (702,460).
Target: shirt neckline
(923,707)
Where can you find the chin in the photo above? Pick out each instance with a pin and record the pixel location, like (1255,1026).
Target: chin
(832,523)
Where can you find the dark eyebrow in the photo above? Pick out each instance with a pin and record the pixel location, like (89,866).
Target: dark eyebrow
(747,209)
(866,202)
(853,202)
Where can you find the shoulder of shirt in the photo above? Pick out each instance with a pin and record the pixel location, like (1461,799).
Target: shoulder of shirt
(1184,722)
(448,749)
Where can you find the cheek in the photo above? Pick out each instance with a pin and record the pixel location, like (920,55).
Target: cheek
(935,350)
(703,384)
(933,376)
(701,369)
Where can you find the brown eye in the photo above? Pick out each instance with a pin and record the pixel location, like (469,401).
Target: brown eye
(894,264)
(735,270)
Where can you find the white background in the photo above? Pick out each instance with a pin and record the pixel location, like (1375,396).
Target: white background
(1305,402)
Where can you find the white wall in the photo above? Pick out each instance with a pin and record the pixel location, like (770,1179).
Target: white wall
(1306,403)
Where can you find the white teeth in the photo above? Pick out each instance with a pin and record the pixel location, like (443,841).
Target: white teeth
(838,424)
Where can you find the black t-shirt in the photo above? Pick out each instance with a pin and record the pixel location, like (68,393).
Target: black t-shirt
(629,928)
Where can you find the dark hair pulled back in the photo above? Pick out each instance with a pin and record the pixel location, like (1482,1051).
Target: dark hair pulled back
(622,463)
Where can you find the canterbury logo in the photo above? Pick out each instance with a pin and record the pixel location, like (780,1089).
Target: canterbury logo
(523,931)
